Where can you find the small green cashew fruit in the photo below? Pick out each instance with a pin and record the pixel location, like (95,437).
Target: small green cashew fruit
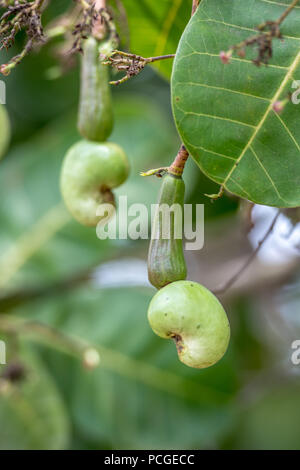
(166,261)
(95,117)
(90,171)
(193,317)
(4,130)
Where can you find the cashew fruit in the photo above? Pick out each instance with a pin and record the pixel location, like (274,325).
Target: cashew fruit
(89,172)
(95,118)
(192,316)
(4,130)
(166,261)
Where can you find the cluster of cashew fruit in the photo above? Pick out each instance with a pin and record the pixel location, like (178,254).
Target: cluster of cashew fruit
(93,167)
(182,310)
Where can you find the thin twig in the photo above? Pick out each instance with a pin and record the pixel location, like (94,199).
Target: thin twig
(240,271)
(99,28)
(195,6)
(176,168)
(160,57)
(287,12)
(52,337)
(132,64)
(178,164)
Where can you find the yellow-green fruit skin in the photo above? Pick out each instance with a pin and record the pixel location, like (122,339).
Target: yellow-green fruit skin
(89,171)
(4,130)
(166,261)
(95,118)
(191,315)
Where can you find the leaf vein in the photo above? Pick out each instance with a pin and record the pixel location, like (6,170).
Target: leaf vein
(267,174)
(288,131)
(278,3)
(224,89)
(212,152)
(193,113)
(243,28)
(290,72)
(237,59)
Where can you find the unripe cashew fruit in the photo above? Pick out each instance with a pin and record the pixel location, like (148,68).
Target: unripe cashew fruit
(166,261)
(4,130)
(95,117)
(90,170)
(193,317)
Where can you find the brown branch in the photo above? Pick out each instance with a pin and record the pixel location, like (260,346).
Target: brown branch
(100,4)
(195,6)
(178,165)
(160,57)
(176,168)
(99,28)
(235,277)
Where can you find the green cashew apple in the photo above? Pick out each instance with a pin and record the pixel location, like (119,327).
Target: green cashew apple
(90,171)
(166,261)
(4,130)
(95,117)
(193,317)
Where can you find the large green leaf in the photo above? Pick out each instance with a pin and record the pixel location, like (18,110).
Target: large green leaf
(224,112)
(156,27)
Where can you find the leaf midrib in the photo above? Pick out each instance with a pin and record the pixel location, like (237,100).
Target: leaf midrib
(277,94)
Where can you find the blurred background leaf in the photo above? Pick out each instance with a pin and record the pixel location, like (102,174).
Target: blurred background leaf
(154,28)
(32,414)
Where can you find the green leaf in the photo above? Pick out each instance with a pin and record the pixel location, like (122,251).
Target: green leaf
(32,412)
(156,27)
(224,112)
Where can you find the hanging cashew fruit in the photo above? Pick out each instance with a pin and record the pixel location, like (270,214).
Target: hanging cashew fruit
(90,171)
(193,317)
(95,118)
(4,130)
(166,261)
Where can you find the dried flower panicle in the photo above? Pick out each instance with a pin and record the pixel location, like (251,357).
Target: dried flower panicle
(83,29)
(264,43)
(268,31)
(19,16)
